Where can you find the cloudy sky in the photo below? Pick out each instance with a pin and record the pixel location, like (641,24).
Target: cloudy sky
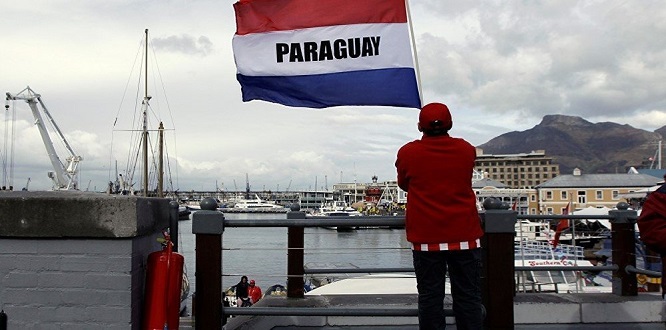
(499,65)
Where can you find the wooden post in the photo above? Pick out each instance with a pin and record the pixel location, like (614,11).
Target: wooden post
(208,225)
(624,250)
(497,280)
(295,246)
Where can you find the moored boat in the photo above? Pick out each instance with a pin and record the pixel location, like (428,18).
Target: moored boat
(256,205)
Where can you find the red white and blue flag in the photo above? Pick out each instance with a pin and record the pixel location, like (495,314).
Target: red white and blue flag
(325,53)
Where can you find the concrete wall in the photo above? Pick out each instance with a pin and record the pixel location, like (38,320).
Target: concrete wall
(73,260)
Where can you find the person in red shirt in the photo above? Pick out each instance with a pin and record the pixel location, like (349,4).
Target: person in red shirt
(254,292)
(652,226)
(442,221)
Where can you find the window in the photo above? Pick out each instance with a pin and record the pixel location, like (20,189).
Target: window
(582,198)
(533,198)
(549,194)
(600,195)
(616,194)
(549,210)
(563,195)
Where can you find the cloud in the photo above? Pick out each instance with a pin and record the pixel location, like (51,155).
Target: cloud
(548,57)
(499,65)
(184,44)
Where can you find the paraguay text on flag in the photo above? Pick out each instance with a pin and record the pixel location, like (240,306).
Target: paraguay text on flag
(324,53)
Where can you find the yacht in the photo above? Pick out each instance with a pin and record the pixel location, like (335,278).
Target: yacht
(256,204)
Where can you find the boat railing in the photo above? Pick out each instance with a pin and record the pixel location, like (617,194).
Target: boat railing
(498,274)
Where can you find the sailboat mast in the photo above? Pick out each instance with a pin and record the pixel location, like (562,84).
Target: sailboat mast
(160,174)
(145,124)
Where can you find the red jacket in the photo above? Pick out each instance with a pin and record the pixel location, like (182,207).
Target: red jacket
(436,172)
(652,226)
(255,293)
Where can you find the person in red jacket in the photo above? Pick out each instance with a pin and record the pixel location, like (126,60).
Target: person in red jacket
(442,221)
(254,292)
(652,227)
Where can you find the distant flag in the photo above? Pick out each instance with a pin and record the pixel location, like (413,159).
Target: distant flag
(318,54)
(562,225)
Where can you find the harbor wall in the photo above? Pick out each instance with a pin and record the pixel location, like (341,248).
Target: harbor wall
(75,260)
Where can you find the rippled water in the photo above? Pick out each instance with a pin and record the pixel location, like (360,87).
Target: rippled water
(261,253)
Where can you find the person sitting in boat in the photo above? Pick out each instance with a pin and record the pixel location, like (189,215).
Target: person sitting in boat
(242,299)
(254,291)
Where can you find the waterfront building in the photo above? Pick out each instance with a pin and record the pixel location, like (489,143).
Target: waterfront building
(350,192)
(374,192)
(523,170)
(315,199)
(518,199)
(586,190)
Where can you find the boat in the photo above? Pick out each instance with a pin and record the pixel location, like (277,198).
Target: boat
(583,234)
(152,182)
(336,209)
(184,212)
(256,204)
(374,284)
(526,254)
(538,253)
(230,300)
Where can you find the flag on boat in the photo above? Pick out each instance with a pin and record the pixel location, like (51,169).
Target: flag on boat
(318,54)
(562,225)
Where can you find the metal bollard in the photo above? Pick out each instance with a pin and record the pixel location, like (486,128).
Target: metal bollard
(208,226)
(498,264)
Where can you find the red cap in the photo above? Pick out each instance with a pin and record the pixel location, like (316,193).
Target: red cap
(251,282)
(435,116)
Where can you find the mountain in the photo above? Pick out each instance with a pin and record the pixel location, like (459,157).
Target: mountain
(575,142)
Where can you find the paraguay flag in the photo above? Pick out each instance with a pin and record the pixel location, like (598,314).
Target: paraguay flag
(325,53)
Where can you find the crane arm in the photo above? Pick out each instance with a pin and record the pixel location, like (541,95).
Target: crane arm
(64,176)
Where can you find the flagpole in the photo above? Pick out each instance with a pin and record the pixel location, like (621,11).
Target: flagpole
(416,57)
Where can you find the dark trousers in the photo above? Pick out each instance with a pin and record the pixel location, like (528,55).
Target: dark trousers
(464,267)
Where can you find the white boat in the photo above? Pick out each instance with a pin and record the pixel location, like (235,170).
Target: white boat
(338,206)
(527,254)
(538,254)
(541,231)
(371,284)
(336,209)
(257,204)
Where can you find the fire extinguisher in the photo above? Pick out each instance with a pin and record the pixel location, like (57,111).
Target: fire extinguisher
(164,279)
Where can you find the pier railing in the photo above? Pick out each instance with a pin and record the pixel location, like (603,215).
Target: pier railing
(498,277)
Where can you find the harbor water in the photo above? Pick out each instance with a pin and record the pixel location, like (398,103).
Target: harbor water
(261,253)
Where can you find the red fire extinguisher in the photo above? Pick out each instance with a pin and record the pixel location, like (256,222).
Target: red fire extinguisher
(164,279)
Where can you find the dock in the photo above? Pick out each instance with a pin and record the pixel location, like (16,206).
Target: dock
(531,311)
